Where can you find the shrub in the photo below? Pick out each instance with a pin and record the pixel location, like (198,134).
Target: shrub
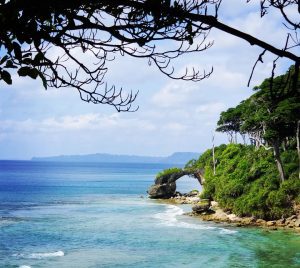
(247,181)
(168,172)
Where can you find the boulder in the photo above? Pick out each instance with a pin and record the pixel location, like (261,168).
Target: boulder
(162,191)
(248,220)
(280,221)
(297,223)
(271,223)
(202,206)
(261,222)
(293,217)
(193,193)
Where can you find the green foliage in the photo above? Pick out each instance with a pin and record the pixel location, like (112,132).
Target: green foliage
(271,113)
(247,182)
(168,172)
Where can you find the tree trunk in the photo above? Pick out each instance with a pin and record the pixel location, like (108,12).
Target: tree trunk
(278,160)
(213,153)
(298,143)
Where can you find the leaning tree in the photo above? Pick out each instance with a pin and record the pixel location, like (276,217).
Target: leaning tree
(69,43)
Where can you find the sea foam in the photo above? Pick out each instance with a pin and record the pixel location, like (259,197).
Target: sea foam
(46,255)
(169,218)
(41,255)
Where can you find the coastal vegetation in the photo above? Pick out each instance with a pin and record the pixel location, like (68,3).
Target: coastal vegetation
(168,172)
(258,177)
(247,183)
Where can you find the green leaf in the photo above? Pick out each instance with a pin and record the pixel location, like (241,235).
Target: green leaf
(6,77)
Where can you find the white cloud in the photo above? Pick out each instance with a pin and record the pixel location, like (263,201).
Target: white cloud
(211,108)
(86,122)
(181,94)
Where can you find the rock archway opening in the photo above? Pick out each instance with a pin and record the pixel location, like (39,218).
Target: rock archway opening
(166,182)
(187,184)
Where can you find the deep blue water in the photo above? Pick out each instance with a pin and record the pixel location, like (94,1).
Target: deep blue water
(93,215)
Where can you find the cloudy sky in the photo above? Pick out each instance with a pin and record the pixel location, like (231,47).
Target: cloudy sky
(173,116)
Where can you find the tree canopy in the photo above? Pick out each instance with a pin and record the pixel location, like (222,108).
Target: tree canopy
(49,39)
(270,117)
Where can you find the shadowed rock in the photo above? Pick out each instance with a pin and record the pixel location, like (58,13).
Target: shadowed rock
(163,191)
(202,206)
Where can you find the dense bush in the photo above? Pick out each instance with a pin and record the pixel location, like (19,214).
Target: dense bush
(247,181)
(168,172)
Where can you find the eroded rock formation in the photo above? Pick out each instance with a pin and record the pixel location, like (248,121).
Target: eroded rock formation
(165,185)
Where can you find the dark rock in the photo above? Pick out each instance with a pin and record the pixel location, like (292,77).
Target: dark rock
(162,179)
(193,193)
(162,191)
(178,194)
(202,206)
(174,177)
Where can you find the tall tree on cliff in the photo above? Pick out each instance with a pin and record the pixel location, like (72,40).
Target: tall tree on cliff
(270,117)
(48,39)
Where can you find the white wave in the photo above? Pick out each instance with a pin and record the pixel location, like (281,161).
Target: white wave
(40,255)
(169,218)
(227,231)
(24,266)
(46,255)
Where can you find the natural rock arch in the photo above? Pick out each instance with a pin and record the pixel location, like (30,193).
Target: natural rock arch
(165,185)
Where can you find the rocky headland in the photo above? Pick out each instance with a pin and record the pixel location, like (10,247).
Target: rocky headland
(207,210)
(204,207)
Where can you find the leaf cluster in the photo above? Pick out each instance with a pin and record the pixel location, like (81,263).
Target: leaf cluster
(168,172)
(271,113)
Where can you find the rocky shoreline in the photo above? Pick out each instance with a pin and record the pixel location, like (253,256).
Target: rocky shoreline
(210,211)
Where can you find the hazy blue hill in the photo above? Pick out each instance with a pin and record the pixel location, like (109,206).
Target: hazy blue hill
(175,158)
(180,157)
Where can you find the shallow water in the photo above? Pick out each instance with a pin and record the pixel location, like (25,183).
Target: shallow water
(92,215)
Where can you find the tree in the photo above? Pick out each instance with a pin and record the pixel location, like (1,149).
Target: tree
(230,122)
(270,117)
(47,39)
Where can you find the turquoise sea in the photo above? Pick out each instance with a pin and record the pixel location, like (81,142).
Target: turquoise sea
(98,215)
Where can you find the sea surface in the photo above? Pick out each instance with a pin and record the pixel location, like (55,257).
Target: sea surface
(98,215)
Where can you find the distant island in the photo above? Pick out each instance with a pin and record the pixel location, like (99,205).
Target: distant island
(175,158)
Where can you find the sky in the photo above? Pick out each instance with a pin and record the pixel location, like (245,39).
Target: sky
(173,115)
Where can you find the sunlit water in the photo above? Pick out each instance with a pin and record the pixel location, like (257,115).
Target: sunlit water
(92,215)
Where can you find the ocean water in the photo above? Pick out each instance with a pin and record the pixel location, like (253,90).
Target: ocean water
(97,215)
